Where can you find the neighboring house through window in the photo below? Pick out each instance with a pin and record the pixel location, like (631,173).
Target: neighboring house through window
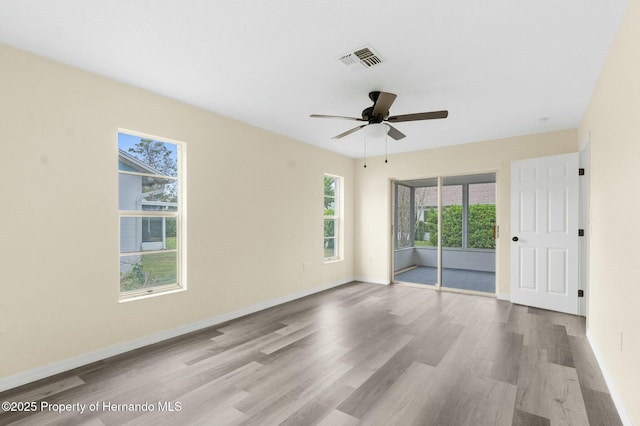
(150,205)
(332,217)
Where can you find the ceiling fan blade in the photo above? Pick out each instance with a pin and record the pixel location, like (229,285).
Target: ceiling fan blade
(418,116)
(395,133)
(336,116)
(348,132)
(383,103)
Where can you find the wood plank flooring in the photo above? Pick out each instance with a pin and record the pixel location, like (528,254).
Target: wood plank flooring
(357,354)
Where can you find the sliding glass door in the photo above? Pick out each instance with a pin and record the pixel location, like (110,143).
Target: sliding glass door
(416,232)
(444,232)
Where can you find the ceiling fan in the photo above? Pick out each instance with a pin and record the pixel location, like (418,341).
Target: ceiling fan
(379,113)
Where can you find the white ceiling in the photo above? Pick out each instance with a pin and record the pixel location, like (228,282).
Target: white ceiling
(501,67)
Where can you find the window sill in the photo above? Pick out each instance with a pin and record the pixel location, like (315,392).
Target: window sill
(133,296)
(336,260)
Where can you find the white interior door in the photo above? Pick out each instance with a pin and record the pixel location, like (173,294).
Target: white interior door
(544,231)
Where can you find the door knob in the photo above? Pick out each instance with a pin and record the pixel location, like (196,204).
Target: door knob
(514,239)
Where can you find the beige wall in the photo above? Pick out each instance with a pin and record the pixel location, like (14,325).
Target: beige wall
(254,213)
(253,220)
(373,192)
(613,122)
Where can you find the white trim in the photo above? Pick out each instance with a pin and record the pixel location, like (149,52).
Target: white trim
(583,221)
(586,142)
(148,136)
(20,379)
(147,213)
(617,400)
(132,296)
(140,253)
(503,296)
(370,280)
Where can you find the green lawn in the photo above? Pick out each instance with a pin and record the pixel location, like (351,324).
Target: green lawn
(152,270)
(171,243)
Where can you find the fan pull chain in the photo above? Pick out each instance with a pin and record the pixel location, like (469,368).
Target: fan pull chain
(386,143)
(365,151)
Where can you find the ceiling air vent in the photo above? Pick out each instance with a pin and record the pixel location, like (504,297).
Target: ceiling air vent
(365,57)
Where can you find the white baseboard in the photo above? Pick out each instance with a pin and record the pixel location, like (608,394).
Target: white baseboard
(372,280)
(20,379)
(624,417)
(503,296)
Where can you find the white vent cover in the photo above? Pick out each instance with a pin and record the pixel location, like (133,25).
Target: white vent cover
(364,57)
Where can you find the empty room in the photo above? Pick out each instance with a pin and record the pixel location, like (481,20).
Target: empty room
(328,213)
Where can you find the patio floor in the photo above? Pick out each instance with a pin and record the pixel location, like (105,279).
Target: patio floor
(463,279)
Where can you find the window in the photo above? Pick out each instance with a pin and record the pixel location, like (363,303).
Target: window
(150,205)
(332,217)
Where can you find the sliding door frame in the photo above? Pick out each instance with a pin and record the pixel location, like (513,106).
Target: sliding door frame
(439,249)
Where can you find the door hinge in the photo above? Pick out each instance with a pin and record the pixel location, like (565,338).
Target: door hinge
(580,171)
(580,293)
(580,232)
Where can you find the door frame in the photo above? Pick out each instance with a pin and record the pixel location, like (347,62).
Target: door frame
(584,221)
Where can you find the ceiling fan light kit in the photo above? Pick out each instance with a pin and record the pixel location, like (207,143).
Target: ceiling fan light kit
(376,130)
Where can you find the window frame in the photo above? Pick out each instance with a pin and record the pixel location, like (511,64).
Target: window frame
(337,218)
(178,214)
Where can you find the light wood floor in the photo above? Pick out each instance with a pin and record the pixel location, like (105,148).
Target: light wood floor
(358,354)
